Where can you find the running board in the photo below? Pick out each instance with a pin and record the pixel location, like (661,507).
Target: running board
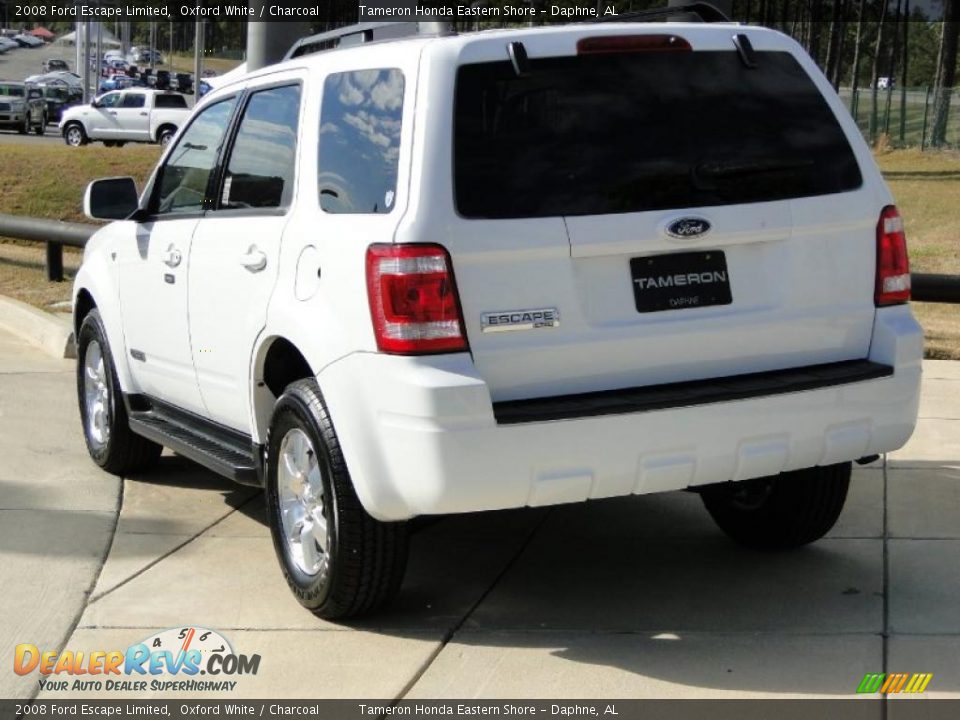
(224,451)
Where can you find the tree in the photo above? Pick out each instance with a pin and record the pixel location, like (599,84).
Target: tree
(857,53)
(875,75)
(946,72)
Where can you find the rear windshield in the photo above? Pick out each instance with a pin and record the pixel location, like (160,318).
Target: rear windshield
(617,133)
(170,101)
(12,90)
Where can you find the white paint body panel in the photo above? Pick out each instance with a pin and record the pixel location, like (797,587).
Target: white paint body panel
(419,433)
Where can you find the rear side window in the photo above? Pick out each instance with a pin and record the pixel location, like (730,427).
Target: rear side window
(133,100)
(360,141)
(261,165)
(629,132)
(170,101)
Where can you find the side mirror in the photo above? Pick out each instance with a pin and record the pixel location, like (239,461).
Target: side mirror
(95,103)
(111,199)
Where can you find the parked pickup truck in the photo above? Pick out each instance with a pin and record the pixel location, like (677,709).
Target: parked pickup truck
(22,110)
(132,115)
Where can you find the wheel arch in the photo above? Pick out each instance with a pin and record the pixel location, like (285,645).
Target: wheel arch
(92,290)
(162,128)
(277,362)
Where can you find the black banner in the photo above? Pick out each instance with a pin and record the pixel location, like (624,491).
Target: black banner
(853,709)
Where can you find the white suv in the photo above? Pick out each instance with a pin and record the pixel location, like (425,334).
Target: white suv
(510,268)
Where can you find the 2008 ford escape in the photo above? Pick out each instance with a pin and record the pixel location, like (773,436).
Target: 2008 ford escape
(457,273)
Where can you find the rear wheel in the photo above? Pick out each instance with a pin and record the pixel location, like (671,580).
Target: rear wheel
(166,135)
(782,511)
(110,442)
(338,560)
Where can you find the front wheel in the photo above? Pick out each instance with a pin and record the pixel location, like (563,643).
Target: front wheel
(783,511)
(42,127)
(338,560)
(110,442)
(74,136)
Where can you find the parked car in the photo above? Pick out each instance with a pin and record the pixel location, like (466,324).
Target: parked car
(59,97)
(28,41)
(116,82)
(484,271)
(7,44)
(54,64)
(22,109)
(132,115)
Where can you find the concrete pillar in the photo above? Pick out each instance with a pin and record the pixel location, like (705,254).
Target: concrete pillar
(268,42)
(198,43)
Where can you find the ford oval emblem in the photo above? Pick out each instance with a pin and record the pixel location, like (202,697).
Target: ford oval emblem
(688,227)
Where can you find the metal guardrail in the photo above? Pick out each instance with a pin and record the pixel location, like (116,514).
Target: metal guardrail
(54,233)
(926,287)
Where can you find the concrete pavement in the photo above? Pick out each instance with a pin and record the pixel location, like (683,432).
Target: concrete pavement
(638,597)
(57,511)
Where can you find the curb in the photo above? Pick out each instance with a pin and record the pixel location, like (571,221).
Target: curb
(54,335)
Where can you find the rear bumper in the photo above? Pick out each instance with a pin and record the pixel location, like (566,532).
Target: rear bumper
(420,435)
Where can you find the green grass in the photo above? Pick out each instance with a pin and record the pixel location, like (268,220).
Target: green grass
(48,180)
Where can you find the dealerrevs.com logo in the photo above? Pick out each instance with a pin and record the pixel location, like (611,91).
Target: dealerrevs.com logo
(188,659)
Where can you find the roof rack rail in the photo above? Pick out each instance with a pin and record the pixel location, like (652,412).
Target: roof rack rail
(703,10)
(360,33)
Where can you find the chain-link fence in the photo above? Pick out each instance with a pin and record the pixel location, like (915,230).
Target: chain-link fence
(904,115)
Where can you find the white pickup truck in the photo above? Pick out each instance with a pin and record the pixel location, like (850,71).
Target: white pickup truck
(132,115)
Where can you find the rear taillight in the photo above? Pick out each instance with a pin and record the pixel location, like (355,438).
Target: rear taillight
(413,300)
(893,266)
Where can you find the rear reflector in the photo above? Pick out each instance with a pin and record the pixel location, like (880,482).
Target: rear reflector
(413,300)
(893,265)
(632,43)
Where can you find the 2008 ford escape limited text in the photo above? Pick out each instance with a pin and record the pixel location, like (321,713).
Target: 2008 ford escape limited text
(455,273)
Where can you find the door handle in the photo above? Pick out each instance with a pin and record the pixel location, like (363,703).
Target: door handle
(254,259)
(143,114)
(113,112)
(172,257)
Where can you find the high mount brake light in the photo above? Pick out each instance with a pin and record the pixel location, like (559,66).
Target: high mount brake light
(893,264)
(631,43)
(413,300)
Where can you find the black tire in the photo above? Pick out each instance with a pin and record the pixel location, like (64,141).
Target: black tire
(165,136)
(123,451)
(74,135)
(783,511)
(25,127)
(363,566)
(42,127)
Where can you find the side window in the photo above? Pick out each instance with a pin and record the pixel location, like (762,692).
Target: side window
(109,100)
(133,100)
(360,141)
(261,166)
(182,181)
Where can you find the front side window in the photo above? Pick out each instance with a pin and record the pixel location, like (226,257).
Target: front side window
(133,100)
(109,100)
(360,122)
(182,181)
(261,166)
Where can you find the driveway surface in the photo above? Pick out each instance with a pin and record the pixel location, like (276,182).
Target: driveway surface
(633,598)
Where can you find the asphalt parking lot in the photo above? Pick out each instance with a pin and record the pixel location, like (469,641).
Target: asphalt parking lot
(633,598)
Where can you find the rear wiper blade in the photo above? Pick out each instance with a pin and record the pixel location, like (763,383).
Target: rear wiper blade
(726,168)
